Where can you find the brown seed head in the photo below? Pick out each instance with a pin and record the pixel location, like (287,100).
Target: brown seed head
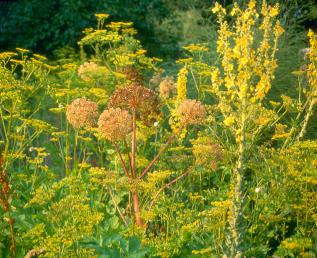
(86,69)
(82,113)
(156,79)
(114,124)
(167,87)
(132,74)
(191,112)
(139,99)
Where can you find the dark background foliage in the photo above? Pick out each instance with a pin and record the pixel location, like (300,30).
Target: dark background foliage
(163,25)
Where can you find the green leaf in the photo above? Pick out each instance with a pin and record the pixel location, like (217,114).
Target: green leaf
(134,244)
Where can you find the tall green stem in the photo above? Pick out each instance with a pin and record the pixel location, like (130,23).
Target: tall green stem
(306,119)
(238,182)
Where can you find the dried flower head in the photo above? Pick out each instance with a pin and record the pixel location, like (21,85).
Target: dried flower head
(167,87)
(156,78)
(86,70)
(139,99)
(114,124)
(191,112)
(82,113)
(132,74)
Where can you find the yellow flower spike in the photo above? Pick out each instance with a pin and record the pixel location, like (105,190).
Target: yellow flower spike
(264,8)
(181,84)
(252,4)
(274,11)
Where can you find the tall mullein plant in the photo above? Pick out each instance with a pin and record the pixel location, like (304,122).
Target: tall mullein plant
(240,84)
(312,83)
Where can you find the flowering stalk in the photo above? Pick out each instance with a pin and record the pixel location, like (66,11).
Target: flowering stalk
(247,70)
(81,113)
(116,122)
(312,79)
(308,115)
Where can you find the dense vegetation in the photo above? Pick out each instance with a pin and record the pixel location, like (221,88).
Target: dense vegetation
(109,151)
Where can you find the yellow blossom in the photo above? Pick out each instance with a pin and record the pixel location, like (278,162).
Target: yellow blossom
(229,121)
(196,48)
(101,16)
(218,9)
(181,84)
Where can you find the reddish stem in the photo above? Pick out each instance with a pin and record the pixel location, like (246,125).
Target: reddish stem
(169,184)
(169,141)
(12,248)
(136,208)
(4,201)
(133,162)
(129,157)
(121,159)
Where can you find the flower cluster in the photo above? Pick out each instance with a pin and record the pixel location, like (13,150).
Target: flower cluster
(167,87)
(86,70)
(196,48)
(82,113)
(136,98)
(191,112)
(114,124)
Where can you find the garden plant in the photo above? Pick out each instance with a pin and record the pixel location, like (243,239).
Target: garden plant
(109,151)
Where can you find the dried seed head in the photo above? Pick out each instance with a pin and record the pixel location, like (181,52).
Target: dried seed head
(139,99)
(132,74)
(114,124)
(86,70)
(82,113)
(167,87)
(191,112)
(156,79)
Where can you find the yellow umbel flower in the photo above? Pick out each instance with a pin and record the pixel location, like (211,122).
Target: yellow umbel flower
(101,16)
